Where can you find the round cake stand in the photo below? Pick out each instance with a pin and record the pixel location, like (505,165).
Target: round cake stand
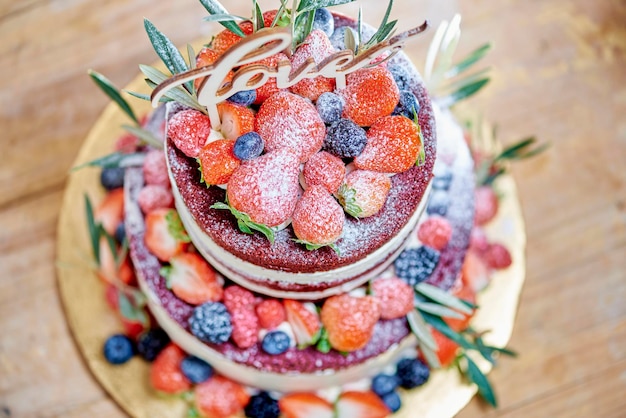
(92,321)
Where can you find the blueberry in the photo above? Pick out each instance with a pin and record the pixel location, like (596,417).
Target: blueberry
(345,139)
(248,146)
(408,105)
(262,406)
(245,97)
(414,265)
(324,21)
(392,400)
(151,343)
(384,383)
(275,342)
(195,369)
(210,322)
(338,38)
(438,203)
(329,106)
(112,178)
(412,373)
(118,349)
(120,233)
(401,75)
(442,179)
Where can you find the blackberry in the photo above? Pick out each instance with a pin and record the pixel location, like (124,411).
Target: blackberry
(210,322)
(151,343)
(275,342)
(392,400)
(438,203)
(324,21)
(407,105)
(118,349)
(383,384)
(245,97)
(414,265)
(345,139)
(329,106)
(262,406)
(195,369)
(248,146)
(112,177)
(412,373)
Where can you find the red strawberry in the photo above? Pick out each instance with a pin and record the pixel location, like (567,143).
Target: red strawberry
(152,197)
(165,235)
(217,161)
(318,218)
(353,404)
(205,57)
(370,94)
(316,46)
(498,256)
(446,348)
(110,212)
(350,321)
(245,327)
(395,297)
(189,130)
(393,145)
(236,297)
(226,38)
(271,313)
(165,373)
(108,269)
(486,205)
(269,88)
(155,168)
(220,397)
(467,294)
(304,323)
(475,272)
(236,119)
(266,188)
(287,120)
(324,169)
(435,232)
(192,279)
(305,405)
(364,192)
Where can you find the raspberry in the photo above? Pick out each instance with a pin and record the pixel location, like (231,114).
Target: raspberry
(435,232)
(236,297)
(153,197)
(217,161)
(324,169)
(271,313)
(211,322)
(414,265)
(498,256)
(317,218)
(395,297)
(155,169)
(245,327)
(189,130)
(370,94)
(486,205)
(345,139)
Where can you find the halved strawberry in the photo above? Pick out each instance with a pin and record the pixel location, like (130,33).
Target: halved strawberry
(217,161)
(236,119)
(370,94)
(189,130)
(353,404)
(316,46)
(192,279)
(165,373)
(111,271)
(305,405)
(467,294)
(165,235)
(446,348)
(350,321)
(110,212)
(317,218)
(220,397)
(304,322)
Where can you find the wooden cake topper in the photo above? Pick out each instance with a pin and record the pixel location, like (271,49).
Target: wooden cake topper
(266,43)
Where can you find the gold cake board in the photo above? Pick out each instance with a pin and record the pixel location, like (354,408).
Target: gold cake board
(92,320)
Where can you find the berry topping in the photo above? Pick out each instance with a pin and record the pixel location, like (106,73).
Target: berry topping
(288,120)
(269,88)
(189,130)
(438,203)
(414,265)
(442,180)
(435,232)
(475,272)
(110,270)
(192,279)
(467,294)
(165,373)
(323,20)
(497,256)
(370,94)
(352,404)
(245,327)
(318,47)
(395,297)
(226,39)
(236,297)
(383,384)
(276,342)
(329,106)
(318,218)
(324,169)
(345,139)
(304,322)
(118,349)
(205,57)
(236,119)
(165,235)
(112,177)
(153,196)
(392,401)
(364,192)
(408,105)
(210,322)
(486,204)
(219,397)
(248,146)
(155,168)
(478,240)
(412,373)
(446,348)
(262,406)
(110,212)
(393,145)
(244,98)
(126,144)
(196,370)
(218,161)
(350,321)
(271,313)
(120,233)
(151,343)
(266,188)
(305,405)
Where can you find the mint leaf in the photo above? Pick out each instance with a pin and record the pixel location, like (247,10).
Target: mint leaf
(245,224)
(214,7)
(114,94)
(165,49)
(114,160)
(94,230)
(175,226)
(475,375)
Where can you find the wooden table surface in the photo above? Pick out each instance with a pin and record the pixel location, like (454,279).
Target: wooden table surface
(560,75)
